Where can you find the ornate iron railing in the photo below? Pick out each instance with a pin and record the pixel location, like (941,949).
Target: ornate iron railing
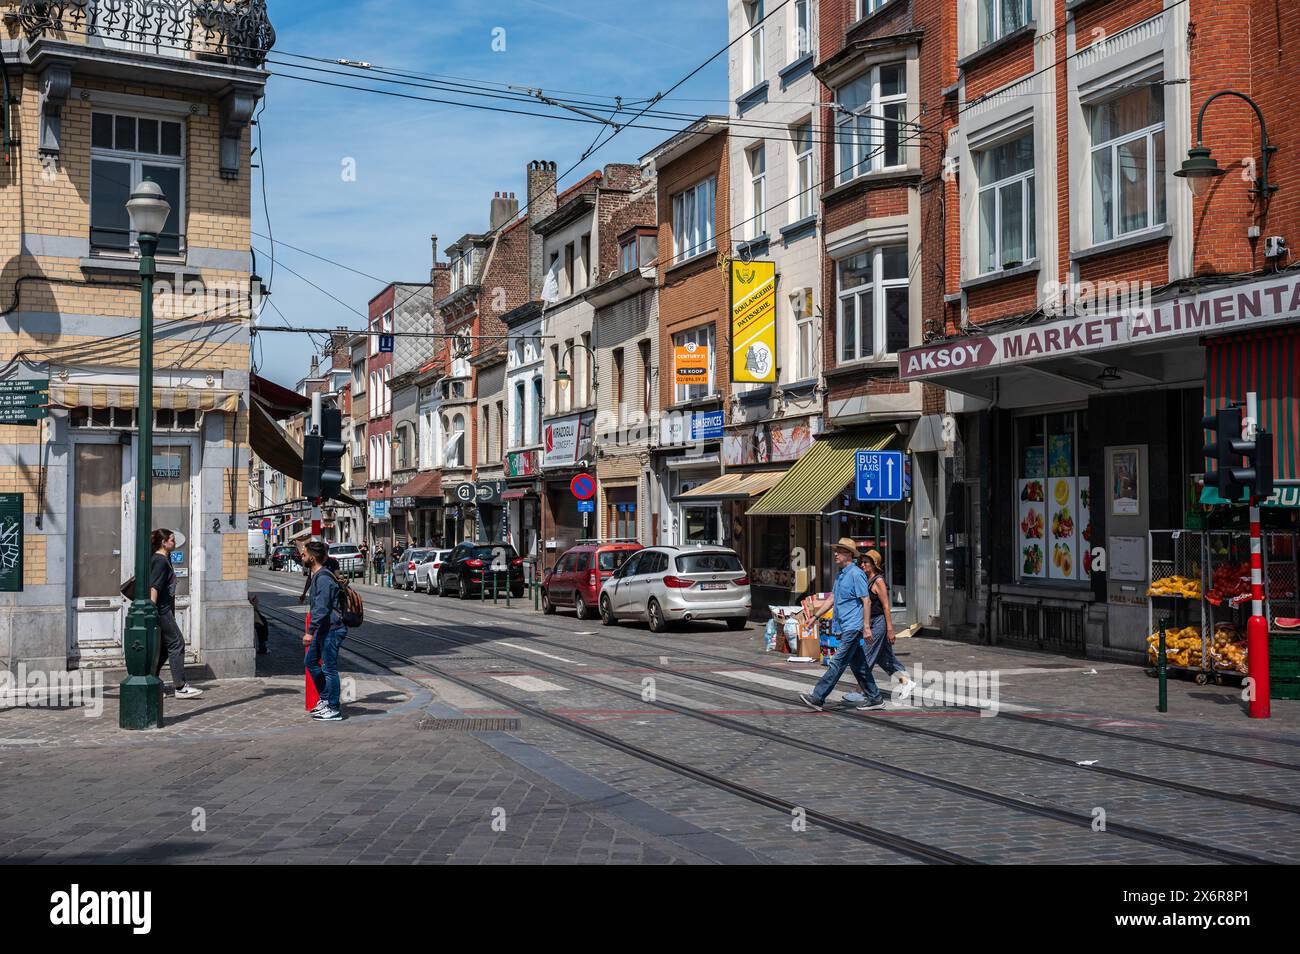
(237,30)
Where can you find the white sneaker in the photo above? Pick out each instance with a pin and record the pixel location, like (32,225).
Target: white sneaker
(318,707)
(327,715)
(187,692)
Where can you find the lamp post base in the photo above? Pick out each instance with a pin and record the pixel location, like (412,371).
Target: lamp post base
(140,696)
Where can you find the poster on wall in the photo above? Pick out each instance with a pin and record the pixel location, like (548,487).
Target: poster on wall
(753,322)
(1060,455)
(1033,524)
(1062,536)
(1085,528)
(1124,482)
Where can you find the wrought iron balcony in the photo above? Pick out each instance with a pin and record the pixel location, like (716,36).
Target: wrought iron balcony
(235,31)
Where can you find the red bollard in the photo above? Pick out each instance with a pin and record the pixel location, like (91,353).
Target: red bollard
(1257,625)
(313,697)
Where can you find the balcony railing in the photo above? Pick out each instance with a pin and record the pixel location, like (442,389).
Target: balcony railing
(237,31)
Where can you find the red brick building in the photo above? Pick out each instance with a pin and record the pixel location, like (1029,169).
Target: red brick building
(1094,308)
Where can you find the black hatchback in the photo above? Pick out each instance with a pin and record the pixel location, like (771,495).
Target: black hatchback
(475,565)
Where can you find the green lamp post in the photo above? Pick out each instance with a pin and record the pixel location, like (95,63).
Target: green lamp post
(141,691)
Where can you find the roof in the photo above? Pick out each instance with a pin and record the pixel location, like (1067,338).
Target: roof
(427,484)
(677,145)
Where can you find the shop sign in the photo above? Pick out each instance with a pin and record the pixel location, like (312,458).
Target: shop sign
(567,441)
(753,322)
(403,503)
(691,363)
(379,510)
(166,465)
(489,491)
(1245,306)
(521,464)
(11,543)
(464,493)
(766,443)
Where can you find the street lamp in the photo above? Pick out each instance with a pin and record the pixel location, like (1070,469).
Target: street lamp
(1199,168)
(141,691)
(563,377)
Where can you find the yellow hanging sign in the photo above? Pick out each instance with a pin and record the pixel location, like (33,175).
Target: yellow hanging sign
(753,322)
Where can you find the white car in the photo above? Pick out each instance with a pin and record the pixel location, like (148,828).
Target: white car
(666,584)
(426,573)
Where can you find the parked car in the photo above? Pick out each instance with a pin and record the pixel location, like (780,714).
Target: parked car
(471,564)
(283,557)
(404,567)
(578,575)
(666,584)
(426,574)
(351,562)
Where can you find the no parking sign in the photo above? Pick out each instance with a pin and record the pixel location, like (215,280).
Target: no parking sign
(583,486)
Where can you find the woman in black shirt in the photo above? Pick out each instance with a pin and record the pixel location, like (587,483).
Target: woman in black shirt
(162,590)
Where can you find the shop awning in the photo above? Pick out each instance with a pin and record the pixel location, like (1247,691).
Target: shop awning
(279,401)
(272,445)
(1267,363)
(735,486)
(428,484)
(179,399)
(517,493)
(821,474)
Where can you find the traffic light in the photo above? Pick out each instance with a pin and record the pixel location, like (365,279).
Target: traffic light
(322,457)
(1228,450)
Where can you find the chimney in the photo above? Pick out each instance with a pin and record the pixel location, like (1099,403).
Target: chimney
(433,241)
(541,203)
(340,356)
(315,367)
(504,208)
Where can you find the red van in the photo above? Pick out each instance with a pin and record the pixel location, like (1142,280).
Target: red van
(580,573)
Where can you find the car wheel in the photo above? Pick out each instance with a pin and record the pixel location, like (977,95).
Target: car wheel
(656,617)
(461,589)
(547,606)
(607,612)
(580,606)
(736,622)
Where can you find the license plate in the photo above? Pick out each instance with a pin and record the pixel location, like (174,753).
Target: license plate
(713,586)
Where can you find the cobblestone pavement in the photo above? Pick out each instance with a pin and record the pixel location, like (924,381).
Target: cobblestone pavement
(387,786)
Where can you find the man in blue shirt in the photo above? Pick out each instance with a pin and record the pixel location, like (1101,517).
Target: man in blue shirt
(849,605)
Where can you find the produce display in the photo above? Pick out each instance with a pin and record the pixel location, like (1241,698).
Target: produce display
(1228,648)
(1230,584)
(1183,586)
(1031,527)
(1032,490)
(1182,647)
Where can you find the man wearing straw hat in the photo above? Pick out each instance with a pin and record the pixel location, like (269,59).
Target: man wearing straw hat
(849,604)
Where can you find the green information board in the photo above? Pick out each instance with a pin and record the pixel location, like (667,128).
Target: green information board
(11,543)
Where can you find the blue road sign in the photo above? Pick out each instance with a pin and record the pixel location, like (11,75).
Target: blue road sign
(385,344)
(879,475)
(586,506)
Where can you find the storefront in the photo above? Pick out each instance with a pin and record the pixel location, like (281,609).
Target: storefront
(419,501)
(568,443)
(522,501)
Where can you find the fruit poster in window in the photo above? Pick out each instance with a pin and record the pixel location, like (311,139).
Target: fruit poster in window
(1086,533)
(1062,529)
(1033,462)
(1060,455)
(1033,529)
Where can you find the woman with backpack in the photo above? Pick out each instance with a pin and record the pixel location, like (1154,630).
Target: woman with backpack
(325,635)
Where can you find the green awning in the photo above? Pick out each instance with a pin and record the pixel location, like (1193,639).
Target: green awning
(822,474)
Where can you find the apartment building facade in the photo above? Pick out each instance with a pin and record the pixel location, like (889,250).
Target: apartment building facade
(88,117)
(1096,308)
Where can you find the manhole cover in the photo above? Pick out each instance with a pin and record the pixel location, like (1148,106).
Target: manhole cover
(470,725)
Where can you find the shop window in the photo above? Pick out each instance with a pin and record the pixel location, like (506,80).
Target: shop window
(700,525)
(1006,204)
(1128,163)
(1054,497)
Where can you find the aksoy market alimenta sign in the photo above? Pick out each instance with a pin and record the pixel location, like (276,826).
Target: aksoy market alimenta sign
(1232,308)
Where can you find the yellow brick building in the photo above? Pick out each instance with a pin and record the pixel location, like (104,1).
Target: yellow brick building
(98,96)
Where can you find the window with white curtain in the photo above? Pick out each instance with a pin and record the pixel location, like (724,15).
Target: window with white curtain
(802,28)
(757,191)
(1128,163)
(693,211)
(1006,203)
(754,42)
(872,300)
(870,121)
(802,139)
(998,18)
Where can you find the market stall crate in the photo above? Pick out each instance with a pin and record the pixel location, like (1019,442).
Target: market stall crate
(1227,599)
(1176,571)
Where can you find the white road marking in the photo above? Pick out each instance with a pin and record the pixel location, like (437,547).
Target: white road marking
(538,652)
(530,684)
(775,681)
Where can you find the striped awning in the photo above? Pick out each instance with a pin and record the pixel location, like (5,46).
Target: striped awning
(822,474)
(735,486)
(1267,363)
(177,399)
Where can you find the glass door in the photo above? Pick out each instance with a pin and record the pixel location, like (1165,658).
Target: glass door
(99,525)
(173,508)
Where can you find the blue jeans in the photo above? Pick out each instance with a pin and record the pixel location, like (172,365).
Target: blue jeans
(879,652)
(323,663)
(850,655)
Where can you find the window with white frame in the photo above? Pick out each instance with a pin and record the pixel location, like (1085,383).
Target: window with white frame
(869,6)
(388,455)
(693,211)
(803,169)
(754,42)
(388,390)
(124,151)
(535,422)
(999,18)
(703,338)
(805,340)
(757,191)
(627,255)
(1128,163)
(518,412)
(1006,203)
(870,121)
(872,312)
(802,28)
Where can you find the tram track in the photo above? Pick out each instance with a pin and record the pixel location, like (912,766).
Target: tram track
(1055,813)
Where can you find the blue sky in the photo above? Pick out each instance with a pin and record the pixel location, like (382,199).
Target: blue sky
(423,168)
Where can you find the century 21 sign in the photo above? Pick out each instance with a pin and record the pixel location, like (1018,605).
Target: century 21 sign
(753,322)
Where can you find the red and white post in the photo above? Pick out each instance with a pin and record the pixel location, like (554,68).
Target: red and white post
(312,696)
(1257,626)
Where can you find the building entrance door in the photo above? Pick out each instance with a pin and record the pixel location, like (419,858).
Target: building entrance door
(98,513)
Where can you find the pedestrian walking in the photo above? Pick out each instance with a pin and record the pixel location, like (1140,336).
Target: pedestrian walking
(850,595)
(879,634)
(325,635)
(162,590)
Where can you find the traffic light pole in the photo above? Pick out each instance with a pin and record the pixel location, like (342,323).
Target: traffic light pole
(1257,626)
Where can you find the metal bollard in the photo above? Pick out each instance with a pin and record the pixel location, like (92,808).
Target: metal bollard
(495,577)
(509,587)
(1162,673)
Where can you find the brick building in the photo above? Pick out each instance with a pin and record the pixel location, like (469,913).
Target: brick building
(1095,309)
(87,117)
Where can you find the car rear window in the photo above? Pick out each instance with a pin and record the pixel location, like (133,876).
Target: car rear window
(613,559)
(343,551)
(708,563)
(488,553)
(418,555)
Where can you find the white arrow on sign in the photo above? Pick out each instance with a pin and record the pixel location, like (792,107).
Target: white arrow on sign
(889,462)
